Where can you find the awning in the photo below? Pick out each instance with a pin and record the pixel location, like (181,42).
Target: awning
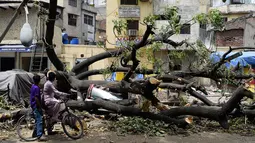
(15,48)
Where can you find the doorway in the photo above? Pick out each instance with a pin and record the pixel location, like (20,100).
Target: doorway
(7,63)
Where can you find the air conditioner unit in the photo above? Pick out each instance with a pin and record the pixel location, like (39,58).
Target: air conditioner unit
(237,1)
(132,32)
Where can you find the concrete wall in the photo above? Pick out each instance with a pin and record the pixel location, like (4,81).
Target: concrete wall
(100,3)
(249,39)
(74,31)
(228,8)
(112,7)
(71,52)
(88,31)
(81,31)
(186,10)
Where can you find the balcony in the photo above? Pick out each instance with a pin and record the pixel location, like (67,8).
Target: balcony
(234,6)
(129,12)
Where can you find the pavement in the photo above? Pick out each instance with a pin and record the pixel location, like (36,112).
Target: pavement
(110,137)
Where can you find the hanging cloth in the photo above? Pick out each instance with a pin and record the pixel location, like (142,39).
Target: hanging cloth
(26,33)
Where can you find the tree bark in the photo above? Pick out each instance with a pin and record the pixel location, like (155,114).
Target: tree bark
(124,110)
(215,113)
(49,36)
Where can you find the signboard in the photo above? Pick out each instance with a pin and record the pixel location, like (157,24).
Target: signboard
(15,50)
(129,12)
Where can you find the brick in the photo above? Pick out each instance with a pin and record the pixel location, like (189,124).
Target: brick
(230,38)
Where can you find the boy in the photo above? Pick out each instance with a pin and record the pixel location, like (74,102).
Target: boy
(35,103)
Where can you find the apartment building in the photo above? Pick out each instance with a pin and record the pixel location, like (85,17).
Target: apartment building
(79,20)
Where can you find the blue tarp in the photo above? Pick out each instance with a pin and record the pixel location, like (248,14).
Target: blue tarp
(248,58)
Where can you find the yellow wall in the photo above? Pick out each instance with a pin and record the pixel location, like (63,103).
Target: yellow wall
(146,8)
(71,52)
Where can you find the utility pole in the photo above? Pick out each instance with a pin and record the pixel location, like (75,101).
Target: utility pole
(24,2)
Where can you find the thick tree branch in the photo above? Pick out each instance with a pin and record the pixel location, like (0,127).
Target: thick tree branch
(222,61)
(170,78)
(124,110)
(49,36)
(215,113)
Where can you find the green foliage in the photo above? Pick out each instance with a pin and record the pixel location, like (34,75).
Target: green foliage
(119,25)
(135,125)
(176,55)
(150,20)
(213,17)
(201,18)
(171,14)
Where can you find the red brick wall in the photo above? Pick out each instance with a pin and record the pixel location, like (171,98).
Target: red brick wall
(230,37)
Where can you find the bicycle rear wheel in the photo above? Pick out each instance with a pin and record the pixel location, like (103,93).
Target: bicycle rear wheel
(72,126)
(26,128)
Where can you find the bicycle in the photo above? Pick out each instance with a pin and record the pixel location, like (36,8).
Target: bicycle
(67,118)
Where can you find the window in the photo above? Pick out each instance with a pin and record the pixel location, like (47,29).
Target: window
(202,26)
(161,17)
(133,24)
(237,1)
(185,29)
(72,19)
(72,3)
(132,28)
(88,19)
(128,2)
(224,19)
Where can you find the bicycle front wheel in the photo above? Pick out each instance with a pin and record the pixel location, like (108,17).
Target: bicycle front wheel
(72,126)
(26,128)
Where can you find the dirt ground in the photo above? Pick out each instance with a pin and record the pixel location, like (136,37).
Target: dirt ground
(110,137)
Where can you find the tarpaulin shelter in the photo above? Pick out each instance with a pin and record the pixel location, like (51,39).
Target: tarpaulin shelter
(247,58)
(19,83)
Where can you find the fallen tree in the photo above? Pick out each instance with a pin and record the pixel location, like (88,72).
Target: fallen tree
(146,87)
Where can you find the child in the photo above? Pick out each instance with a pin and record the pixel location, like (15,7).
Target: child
(35,103)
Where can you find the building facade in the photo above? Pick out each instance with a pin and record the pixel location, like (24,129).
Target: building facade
(79,20)
(134,11)
(13,55)
(239,29)
(190,31)
(100,6)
